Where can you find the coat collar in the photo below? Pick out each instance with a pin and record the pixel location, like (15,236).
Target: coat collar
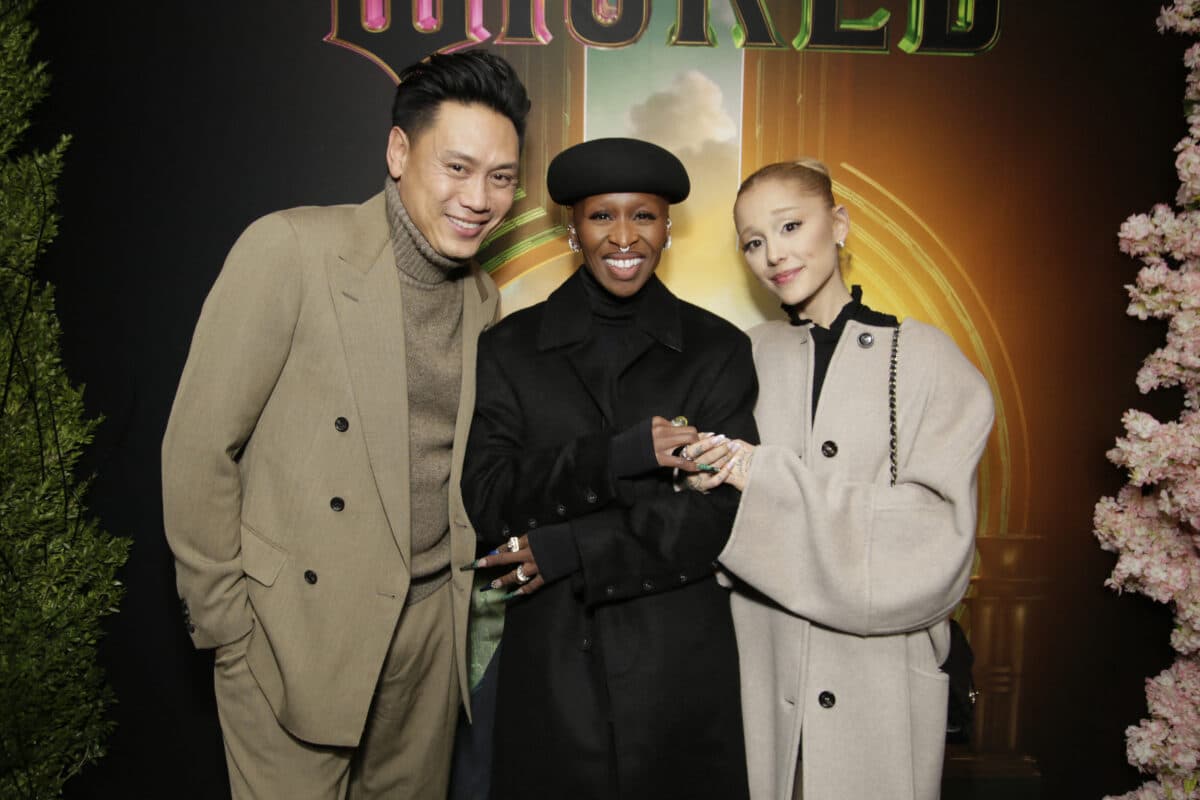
(568,321)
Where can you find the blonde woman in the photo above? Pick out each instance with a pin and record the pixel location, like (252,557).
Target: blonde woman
(855,533)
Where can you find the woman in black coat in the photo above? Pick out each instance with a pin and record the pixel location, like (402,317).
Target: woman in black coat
(618,668)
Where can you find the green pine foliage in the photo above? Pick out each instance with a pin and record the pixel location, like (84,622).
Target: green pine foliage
(57,568)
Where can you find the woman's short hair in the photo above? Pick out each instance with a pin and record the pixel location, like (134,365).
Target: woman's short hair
(474,76)
(811,175)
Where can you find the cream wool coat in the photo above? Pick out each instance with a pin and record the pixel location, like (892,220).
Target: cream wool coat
(294,399)
(843,584)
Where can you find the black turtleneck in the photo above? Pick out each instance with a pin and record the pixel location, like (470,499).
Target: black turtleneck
(614,326)
(618,338)
(825,339)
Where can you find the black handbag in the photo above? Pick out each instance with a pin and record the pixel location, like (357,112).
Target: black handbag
(960,712)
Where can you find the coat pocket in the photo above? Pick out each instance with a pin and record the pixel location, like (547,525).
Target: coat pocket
(261,559)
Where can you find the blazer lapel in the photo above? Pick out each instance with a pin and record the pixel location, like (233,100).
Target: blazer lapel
(480,299)
(366,295)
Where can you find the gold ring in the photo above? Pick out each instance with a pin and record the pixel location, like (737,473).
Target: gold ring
(679,421)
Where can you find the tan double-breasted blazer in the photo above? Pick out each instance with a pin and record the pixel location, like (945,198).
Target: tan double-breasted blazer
(846,582)
(285,463)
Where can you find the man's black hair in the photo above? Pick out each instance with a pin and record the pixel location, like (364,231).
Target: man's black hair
(474,76)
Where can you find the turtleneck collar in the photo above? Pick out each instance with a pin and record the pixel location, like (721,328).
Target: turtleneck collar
(415,256)
(607,306)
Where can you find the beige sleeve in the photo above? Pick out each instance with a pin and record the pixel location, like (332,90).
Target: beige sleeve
(238,350)
(862,557)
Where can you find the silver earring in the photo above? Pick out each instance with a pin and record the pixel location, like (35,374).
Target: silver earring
(571,241)
(667,246)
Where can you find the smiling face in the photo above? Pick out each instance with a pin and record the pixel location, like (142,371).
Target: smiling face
(456,177)
(789,239)
(622,238)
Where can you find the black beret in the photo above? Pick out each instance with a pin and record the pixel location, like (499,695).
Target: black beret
(604,166)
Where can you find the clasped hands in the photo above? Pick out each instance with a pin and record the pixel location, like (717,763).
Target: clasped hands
(707,459)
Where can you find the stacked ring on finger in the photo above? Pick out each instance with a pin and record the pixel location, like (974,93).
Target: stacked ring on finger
(679,421)
(521,576)
(514,544)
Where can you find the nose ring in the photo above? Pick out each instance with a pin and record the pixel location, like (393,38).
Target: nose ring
(625,249)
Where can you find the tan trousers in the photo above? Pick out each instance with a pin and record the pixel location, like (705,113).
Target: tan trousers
(406,745)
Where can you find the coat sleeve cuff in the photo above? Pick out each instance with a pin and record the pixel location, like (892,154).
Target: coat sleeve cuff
(631,452)
(554,549)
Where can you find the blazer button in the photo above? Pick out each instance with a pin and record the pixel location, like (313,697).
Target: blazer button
(683,578)
(865,340)
(826,699)
(337,504)
(610,590)
(342,424)
(829,449)
(591,496)
(586,644)
(532,523)
(310,576)
(561,510)
(648,586)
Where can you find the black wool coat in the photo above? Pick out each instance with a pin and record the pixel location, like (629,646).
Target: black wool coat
(619,678)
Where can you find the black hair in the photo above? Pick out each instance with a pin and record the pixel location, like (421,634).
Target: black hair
(473,76)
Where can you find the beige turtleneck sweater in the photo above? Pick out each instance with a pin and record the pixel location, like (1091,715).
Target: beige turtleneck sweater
(431,288)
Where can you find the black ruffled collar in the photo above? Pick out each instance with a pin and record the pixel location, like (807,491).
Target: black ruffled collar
(854,310)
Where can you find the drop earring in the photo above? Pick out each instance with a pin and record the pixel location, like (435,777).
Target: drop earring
(667,246)
(572,242)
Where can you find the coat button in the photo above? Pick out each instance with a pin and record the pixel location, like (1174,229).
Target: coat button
(865,340)
(610,590)
(590,496)
(586,644)
(683,578)
(532,523)
(826,699)
(829,449)
(647,586)
(310,576)
(342,424)
(561,510)
(337,503)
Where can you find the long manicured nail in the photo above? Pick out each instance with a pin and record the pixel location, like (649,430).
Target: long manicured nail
(511,595)
(494,552)
(707,468)
(473,565)
(720,437)
(735,447)
(496,584)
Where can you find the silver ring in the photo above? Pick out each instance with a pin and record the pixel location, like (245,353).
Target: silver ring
(514,544)
(521,576)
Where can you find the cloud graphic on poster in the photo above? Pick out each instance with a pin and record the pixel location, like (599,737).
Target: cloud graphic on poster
(684,116)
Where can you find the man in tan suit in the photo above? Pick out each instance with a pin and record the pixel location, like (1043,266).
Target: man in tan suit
(312,461)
